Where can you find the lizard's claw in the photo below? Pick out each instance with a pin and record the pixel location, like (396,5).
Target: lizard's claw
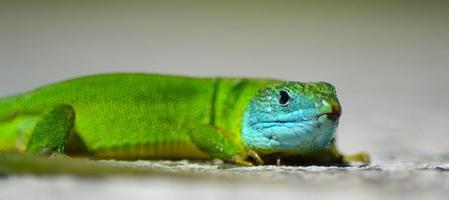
(240,161)
(256,157)
(359,157)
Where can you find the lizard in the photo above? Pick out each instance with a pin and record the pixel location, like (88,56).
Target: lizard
(129,116)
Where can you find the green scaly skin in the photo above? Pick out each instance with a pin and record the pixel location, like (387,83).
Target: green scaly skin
(143,116)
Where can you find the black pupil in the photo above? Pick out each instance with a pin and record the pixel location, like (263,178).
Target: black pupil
(283,97)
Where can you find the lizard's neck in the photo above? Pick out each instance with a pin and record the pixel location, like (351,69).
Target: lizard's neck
(229,101)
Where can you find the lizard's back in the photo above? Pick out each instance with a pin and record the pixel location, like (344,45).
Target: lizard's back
(118,115)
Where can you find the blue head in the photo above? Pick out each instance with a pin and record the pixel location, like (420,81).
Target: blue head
(292,118)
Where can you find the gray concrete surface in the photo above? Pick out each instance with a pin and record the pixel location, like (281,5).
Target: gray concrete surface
(388,59)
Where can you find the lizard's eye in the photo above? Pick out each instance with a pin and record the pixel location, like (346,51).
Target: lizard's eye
(284,98)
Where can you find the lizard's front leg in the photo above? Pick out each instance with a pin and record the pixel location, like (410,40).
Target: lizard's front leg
(212,141)
(51,132)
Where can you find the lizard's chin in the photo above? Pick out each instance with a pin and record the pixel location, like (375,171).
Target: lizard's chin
(292,134)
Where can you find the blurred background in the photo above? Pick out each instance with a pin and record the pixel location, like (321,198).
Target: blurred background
(388,59)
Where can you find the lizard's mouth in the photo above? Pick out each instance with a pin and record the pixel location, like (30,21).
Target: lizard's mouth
(334,115)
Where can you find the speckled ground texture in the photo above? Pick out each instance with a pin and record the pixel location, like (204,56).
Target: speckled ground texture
(388,60)
(392,179)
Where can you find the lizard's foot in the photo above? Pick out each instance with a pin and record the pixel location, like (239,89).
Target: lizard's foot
(254,159)
(59,156)
(54,155)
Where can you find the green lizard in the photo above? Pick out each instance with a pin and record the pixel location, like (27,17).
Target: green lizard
(147,116)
